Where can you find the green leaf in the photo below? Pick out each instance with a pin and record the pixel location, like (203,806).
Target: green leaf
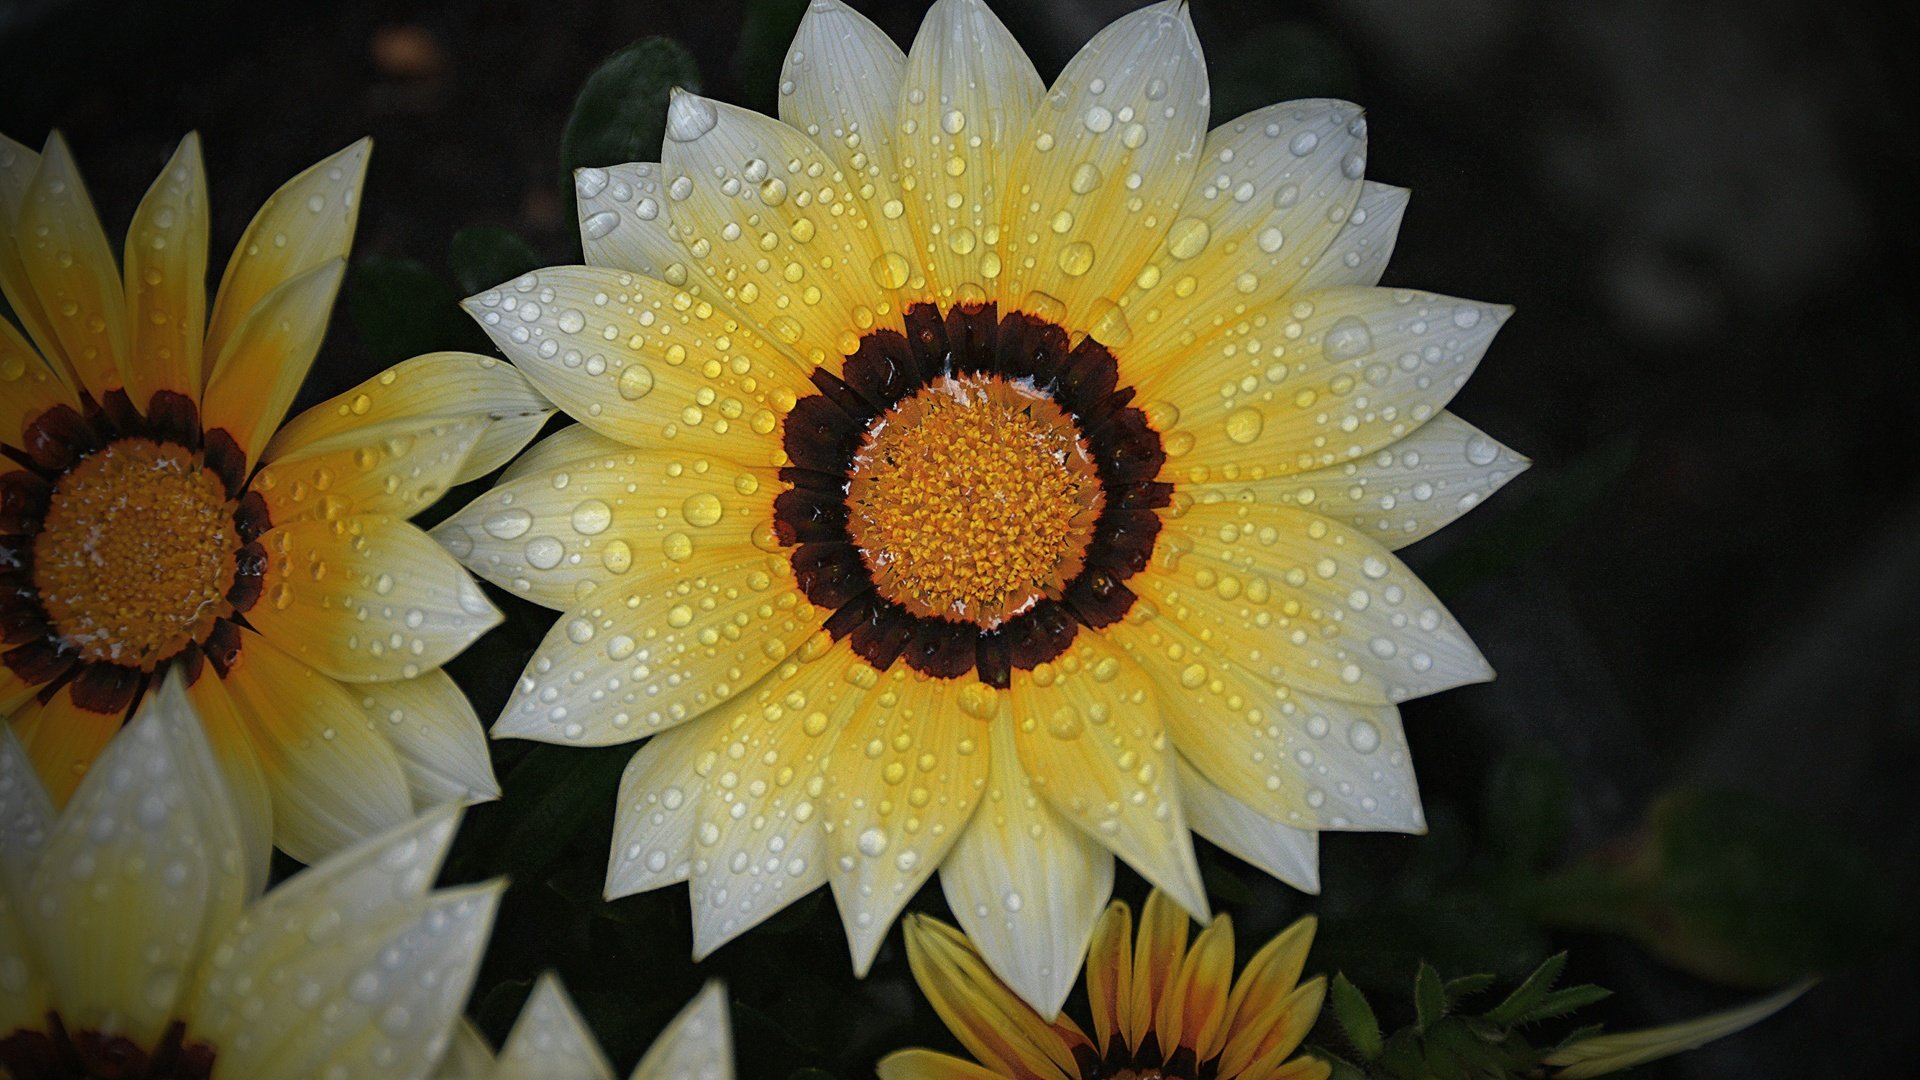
(551,794)
(1429,997)
(1528,805)
(1466,986)
(1529,993)
(486,255)
(1356,1017)
(620,114)
(1562,1002)
(766,29)
(402,309)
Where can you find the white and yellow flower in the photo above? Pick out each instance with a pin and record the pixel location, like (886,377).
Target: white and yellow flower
(156,515)
(132,944)
(988,478)
(551,1042)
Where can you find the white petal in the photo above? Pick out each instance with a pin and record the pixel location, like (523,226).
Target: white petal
(26,822)
(697,1045)
(549,1041)
(653,819)
(570,443)
(1026,885)
(1359,252)
(468,1056)
(441,745)
(1292,855)
(623,220)
(143,868)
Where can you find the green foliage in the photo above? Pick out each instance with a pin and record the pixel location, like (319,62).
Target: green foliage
(1444,1040)
(766,30)
(1281,61)
(620,114)
(486,255)
(403,309)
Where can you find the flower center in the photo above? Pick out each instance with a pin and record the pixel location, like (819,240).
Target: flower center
(59,1054)
(973,499)
(136,554)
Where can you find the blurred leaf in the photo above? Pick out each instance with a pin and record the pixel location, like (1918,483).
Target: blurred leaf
(402,309)
(765,32)
(1282,61)
(1730,887)
(1563,1002)
(486,255)
(1429,997)
(550,795)
(1466,986)
(1530,992)
(620,114)
(1223,885)
(1528,805)
(1356,1018)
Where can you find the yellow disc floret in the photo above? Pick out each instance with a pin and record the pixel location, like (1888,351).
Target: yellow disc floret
(137,553)
(973,499)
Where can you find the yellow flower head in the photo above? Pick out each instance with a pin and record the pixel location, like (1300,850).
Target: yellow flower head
(1161,1008)
(979,477)
(550,1041)
(130,945)
(152,520)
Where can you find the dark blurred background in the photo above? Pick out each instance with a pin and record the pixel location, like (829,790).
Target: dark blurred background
(1704,594)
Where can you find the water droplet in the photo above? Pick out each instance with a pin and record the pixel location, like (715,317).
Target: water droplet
(635,382)
(689,117)
(1347,338)
(702,510)
(1188,238)
(1243,426)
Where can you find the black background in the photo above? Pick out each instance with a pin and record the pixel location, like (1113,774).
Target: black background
(1703,214)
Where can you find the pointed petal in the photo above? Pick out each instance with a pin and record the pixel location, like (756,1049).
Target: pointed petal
(1100,175)
(1273,189)
(968,94)
(1340,374)
(769,218)
(550,1040)
(435,733)
(571,443)
(1601,1055)
(72,272)
(367,598)
(1110,976)
(761,831)
(1157,954)
(1263,998)
(654,813)
(141,872)
(468,1055)
(643,361)
(635,660)
(265,359)
(28,387)
(928,1065)
(989,1020)
(1403,492)
(332,778)
(26,823)
(166,280)
(1026,885)
(1095,750)
(1290,854)
(618,520)
(397,469)
(63,739)
(240,768)
(696,1045)
(905,776)
(17,168)
(1359,252)
(841,85)
(1260,1042)
(380,1000)
(1193,1014)
(443,387)
(623,221)
(1299,600)
(303,226)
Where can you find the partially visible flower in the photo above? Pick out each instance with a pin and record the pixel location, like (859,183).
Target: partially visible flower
(550,1042)
(1601,1055)
(1161,1009)
(129,948)
(151,519)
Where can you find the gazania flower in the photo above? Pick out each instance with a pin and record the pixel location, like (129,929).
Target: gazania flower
(1160,1008)
(979,477)
(151,518)
(131,944)
(551,1042)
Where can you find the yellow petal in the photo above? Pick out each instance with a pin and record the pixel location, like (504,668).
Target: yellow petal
(571,443)
(696,1043)
(759,814)
(1157,955)
(232,743)
(644,362)
(1110,978)
(72,272)
(30,817)
(468,1055)
(332,779)
(265,359)
(166,280)
(1194,1011)
(367,598)
(989,1020)
(623,221)
(779,231)
(142,870)
(436,735)
(1359,252)
(927,1065)
(968,94)
(305,225)
(1264,996)
(903,780)
(1263,1041)
(17,168)
(28,387)
(1273,190)
(1101,172)
(1288,853)
(396,468)
(62,740)
(1095,749)
(1025,884)
(445,386)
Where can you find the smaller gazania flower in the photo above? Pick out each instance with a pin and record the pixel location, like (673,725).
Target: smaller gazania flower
(130,945)
(152,519)
(551,1042)
(1161,1009)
